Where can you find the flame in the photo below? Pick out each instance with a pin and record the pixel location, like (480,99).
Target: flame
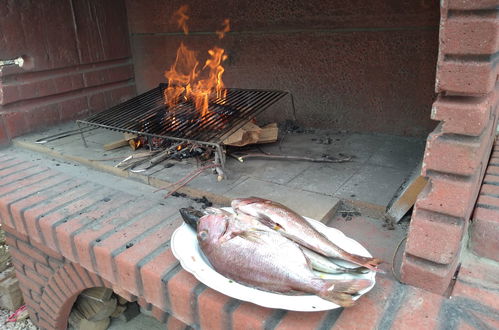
(225,29)
(181,17)
(187,81)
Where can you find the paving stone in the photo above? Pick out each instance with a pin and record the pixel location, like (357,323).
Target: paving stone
(324,178)
(313,205)
(373,184)
(399,152)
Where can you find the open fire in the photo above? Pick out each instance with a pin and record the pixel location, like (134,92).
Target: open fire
(187,81)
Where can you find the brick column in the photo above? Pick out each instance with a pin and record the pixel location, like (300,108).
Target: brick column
(457,152)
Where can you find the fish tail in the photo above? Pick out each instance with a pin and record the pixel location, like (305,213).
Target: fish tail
(339,298)
(370,263)
(348,286)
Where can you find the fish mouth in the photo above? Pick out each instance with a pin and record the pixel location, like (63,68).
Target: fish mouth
(191,216)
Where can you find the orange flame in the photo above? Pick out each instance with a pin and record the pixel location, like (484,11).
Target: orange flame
(188,82)
(181,17)
(225,29)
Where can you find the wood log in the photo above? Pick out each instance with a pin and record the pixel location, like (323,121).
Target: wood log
(251,134)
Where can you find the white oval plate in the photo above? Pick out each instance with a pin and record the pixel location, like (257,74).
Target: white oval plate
(186,249)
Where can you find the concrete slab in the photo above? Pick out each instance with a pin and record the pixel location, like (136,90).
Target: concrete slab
(139,322)
(399,152)
(373,184)
(313,205)
(275,171)
(324,178)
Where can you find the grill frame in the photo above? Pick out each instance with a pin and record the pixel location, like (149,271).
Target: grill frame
(149,109)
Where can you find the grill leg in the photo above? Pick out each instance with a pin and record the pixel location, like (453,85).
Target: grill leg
(82,136)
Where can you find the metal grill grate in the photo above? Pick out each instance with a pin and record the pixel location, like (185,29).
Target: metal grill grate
(147,114)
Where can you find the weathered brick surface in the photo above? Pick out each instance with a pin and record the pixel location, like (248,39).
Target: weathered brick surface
(70,63)
(457,152)
(485,223)
(425,237)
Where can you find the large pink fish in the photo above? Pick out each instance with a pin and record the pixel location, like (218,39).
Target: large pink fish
(296,228)
(267,260)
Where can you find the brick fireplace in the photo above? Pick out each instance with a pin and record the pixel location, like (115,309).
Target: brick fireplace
(350,66)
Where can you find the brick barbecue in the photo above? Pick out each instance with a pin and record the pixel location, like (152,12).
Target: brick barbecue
(66,234)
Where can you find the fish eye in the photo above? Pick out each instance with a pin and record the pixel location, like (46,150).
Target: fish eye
(203,235)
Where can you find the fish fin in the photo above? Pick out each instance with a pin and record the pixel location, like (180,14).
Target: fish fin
(250,236)
(339,298)
(358,270)
(370,263)
(264,219)
(348,286)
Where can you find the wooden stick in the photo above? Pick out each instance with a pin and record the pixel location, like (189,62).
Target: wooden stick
(116,144)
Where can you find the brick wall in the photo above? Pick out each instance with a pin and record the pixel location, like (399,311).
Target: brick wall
(351,65)
(458,151)
(80,62)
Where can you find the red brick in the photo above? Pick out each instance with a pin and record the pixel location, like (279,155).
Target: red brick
(4,136)
(299,320)
(465,78)
(468,116)
(43,270)
(64,290)
(22,258)
(73,109)
(24,178)
(159,314)
(103,249)
(446,195)
(18,208)
(49,252)
(97,102)
(180,291)
(127,261)
(455,156)
(420,310)
(469,5)
(493,170)
(21,166)
(28,283)
(425,236)
(491,179)
(250,316)
(66,231)
(426,274)
(83,274)
(47,222)
(54,263)
(15,123)
(151,277)
(484,233)
(28,250)
(174,324)
(35,213)
(107,75)
(38,279)
(210,306)
(369,309)
(8,200)
(43,116)
(470,35)
(489,298)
